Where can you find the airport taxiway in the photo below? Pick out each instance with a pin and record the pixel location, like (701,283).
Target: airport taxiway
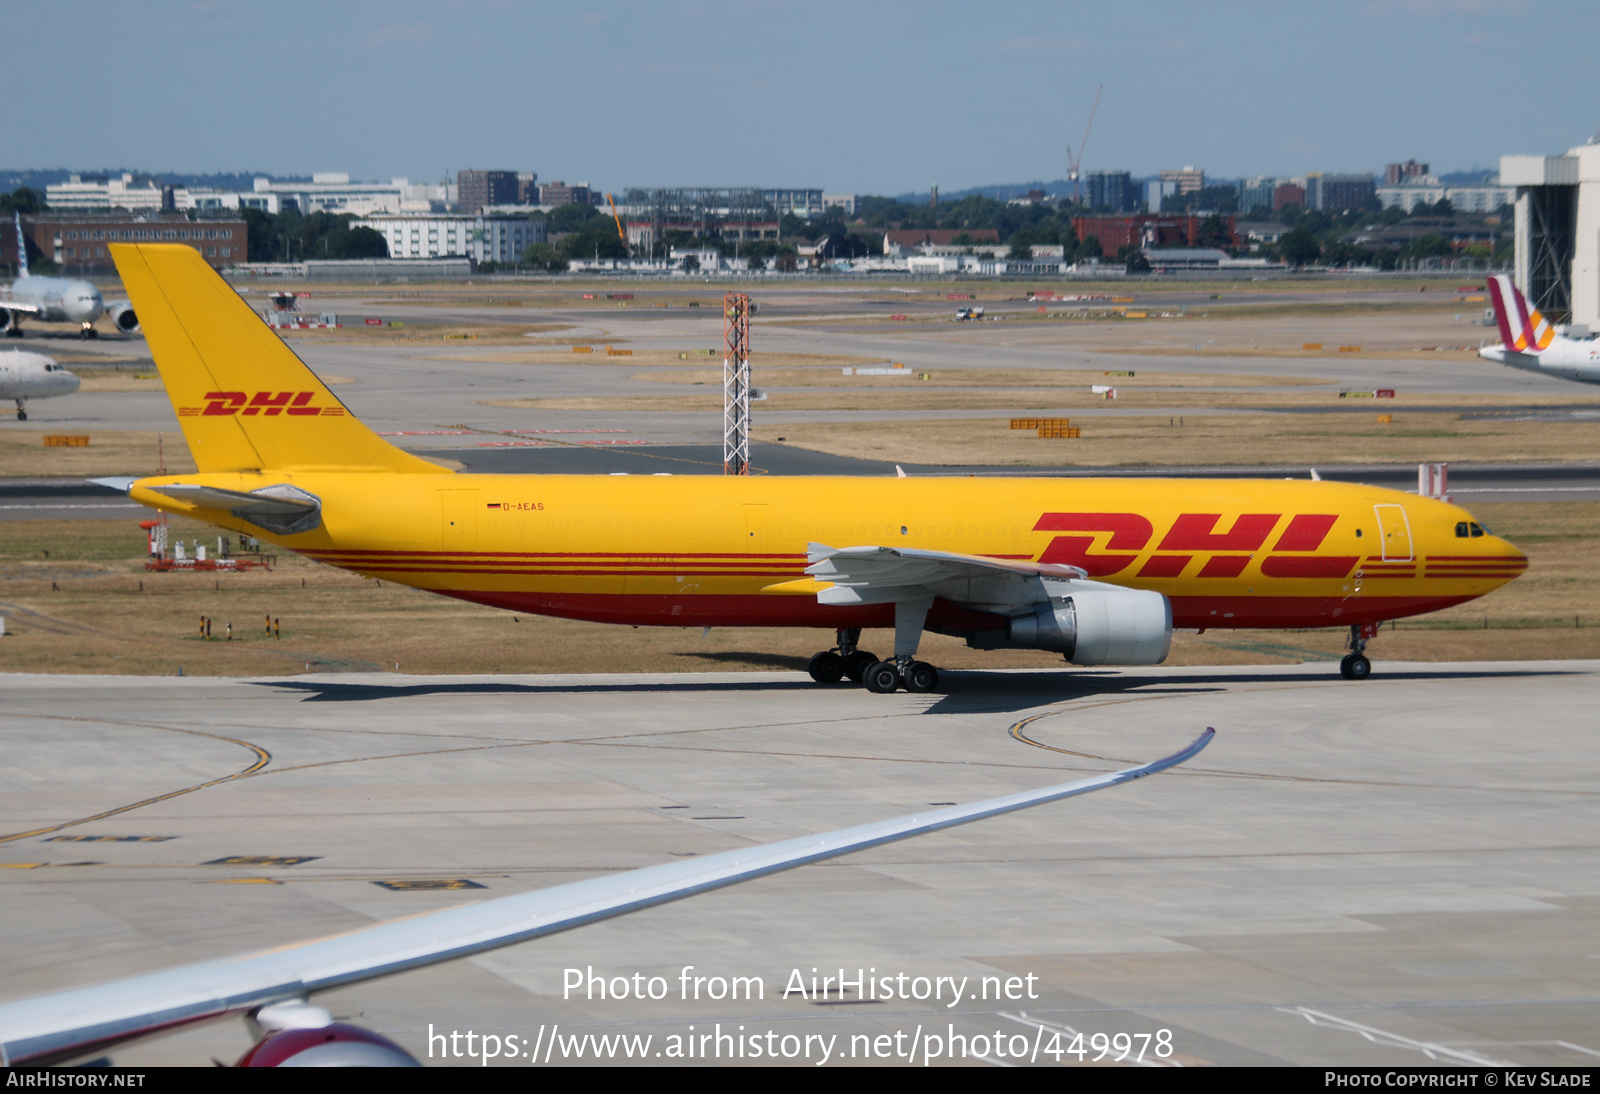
(1412,856)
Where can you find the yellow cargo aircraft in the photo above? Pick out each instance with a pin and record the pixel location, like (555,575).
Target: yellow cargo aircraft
(1099,570)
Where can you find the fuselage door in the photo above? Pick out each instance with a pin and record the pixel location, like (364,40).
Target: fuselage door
(458,520)
(1394,532)
(755,527)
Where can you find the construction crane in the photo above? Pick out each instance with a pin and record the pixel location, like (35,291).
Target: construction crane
(620,233)
(1073,161)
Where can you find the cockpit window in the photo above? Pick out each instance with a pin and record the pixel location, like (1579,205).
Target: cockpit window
(1461,530)
(1478,530)
(1472,529)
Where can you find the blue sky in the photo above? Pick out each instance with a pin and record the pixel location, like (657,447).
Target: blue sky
(853,97)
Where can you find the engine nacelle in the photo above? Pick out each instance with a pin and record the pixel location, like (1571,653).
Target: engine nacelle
(1105,625)
(333,1045)
(122,316)
(8,320)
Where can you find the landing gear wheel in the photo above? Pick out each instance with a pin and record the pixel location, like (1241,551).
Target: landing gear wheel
(89,332)
(826,667)
(921,676)
(857,664)
(22,415)
(1355,666)
(882,678)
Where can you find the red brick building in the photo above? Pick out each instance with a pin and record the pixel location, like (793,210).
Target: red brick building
(77,242)
(1288,194)
(1146,230)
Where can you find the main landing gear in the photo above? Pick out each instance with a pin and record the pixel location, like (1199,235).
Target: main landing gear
(881,677)
(1355,665)
(844,660)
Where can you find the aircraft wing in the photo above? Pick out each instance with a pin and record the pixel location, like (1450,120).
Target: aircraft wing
(17,305)
(86,1021)
(876,575)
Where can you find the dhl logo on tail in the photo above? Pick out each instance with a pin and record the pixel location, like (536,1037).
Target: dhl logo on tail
(267,403)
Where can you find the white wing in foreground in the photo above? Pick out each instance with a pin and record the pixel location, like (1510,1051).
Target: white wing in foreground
(85,1021)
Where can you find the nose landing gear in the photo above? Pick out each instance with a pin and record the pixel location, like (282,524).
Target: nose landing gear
(88,331)
(1355,665)
(22,413)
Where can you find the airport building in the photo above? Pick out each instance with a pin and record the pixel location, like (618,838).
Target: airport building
(77,243)
(1558,232)
(1256,193)
(898,242)
(802,203)
(1113,190)
(457,235)
(1333,192)
(1146,231)
(475,189)
(559,193)
(333,192)
(99,195)
(1430,191)
(1185,180)
(1288,193)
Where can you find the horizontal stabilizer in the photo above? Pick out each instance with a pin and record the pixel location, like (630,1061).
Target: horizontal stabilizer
(283,509)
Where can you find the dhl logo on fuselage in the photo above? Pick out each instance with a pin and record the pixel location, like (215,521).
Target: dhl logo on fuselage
(265,403)
(1191,534)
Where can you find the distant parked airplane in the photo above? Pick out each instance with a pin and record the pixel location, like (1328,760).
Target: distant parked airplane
(25,376)
(1528,341)
(57,300)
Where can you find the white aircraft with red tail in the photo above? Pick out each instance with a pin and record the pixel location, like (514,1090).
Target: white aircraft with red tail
(1528,341)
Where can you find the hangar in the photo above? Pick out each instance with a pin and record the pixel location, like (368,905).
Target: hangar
(1558,232)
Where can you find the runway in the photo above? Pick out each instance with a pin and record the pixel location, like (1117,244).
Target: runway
(1411,856)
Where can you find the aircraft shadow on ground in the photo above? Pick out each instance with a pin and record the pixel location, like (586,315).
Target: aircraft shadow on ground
(972,691)
(326,691)
(963,691)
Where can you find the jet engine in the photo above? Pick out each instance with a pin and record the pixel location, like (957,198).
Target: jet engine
(122,315)
(295,1033)
(1100,625)
(8,320)
(333,1045)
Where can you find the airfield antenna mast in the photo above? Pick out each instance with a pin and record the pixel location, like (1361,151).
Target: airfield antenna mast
(1074,161)
(736,384)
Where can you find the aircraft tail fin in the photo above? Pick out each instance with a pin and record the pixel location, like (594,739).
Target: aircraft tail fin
(22,246)
(245,402)
(1522,328)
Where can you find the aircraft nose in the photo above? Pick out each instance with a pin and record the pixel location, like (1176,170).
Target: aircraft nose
(69,381)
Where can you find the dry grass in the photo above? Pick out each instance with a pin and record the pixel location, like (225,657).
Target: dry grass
(80,609)
(109,452)
(1250,439)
